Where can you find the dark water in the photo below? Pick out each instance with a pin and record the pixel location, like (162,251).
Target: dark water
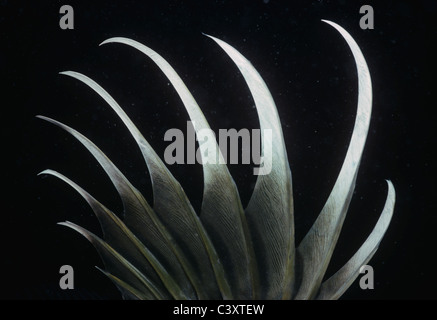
(311,75)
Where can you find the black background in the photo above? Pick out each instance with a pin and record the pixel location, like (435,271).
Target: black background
(311,74)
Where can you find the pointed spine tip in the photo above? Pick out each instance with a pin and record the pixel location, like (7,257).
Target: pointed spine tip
(101,270)
(211,37)
(105,42)
(333,24)
(48,119)
(46,171)
(114,40)
(69,73)
(75,227)
(42,117)
(390,186)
